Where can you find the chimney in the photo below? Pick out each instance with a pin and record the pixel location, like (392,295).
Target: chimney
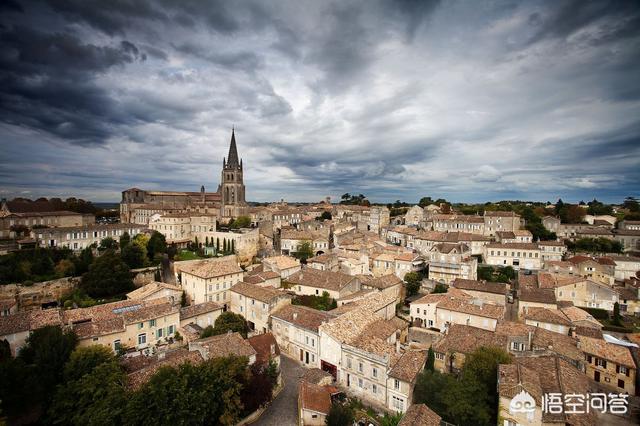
(295,315)
(161,355)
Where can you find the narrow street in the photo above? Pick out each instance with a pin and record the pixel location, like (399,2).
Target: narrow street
(284,410)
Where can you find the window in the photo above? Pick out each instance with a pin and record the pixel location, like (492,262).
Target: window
(517,346)
(440,356)
(601,363)
(374,388)
(418,310)
(159,333)
(398,403)
(374,372)
(172,329)
(152,323)
(141,325)
(360,367)
(348,362)
(360,383)
(621,383)
(396,384)
(142,338)
(116,345)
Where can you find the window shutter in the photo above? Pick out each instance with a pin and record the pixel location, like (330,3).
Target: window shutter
(617,368)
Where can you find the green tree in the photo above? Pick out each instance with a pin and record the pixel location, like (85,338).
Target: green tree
(98,397)
(108,276)
(157,245)
(133,255)
(142,240)
(616,315)
(5,350)
(326,215)
(125,239)
(46,351)
(206,394)
(431,359)
(391,419)
(183,299)
(228,321)
(83,261)
(241,222)
(84,360)
(65,268)
(304,252)
(425,201)
(439,288)
(631,204)
(412,281)
(469,400)
(108,244)
(18,387)
(339,415)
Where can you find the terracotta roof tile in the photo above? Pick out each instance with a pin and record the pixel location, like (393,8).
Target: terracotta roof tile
(303,316)
(265,346)
(198,309)
(605,350)
(211,268)
(420,415)
(551,316)
(484,286)
(409,365)
(263,294)
(328,280)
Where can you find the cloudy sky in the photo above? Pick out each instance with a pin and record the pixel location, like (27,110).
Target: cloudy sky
(470,101)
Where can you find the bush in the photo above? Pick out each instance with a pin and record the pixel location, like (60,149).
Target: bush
(618,329)
(597,313)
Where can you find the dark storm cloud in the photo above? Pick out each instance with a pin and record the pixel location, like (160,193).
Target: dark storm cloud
(616,19)
(395,99)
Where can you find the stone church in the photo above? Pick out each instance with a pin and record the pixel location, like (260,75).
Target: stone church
(228,202)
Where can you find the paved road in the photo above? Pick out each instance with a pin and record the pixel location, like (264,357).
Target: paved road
(284,410)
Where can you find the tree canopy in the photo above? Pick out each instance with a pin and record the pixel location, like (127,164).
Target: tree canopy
(227,321)
(412,281)
(108,276)
(304,252)
(470,399)
(156,246)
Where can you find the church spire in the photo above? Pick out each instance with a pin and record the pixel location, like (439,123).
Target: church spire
(232,158)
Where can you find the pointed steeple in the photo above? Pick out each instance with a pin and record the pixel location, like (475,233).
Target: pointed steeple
(232,158)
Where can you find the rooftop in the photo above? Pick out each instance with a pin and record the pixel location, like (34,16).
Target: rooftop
(484,286)
(420,415)
(605,350)
(409,365)
(303,316)
(551,316)
(328,280)
(224,345)
(282,262)
(198,309)
(211,268)
(263,294)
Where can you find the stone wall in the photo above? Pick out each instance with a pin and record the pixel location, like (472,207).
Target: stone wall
(39,294)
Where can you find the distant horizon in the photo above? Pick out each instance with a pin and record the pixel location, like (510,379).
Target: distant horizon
(337,200)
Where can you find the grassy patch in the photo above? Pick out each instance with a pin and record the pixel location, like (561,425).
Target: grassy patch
(187,255)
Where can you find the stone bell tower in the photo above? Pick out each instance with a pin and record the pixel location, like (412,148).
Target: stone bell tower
(232,184)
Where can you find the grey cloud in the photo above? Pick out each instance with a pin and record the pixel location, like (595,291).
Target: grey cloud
(394,99)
